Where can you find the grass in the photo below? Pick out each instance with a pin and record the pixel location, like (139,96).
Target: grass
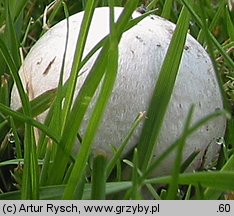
(49,170)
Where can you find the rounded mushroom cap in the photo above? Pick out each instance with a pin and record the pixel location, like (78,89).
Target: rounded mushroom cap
(141,54)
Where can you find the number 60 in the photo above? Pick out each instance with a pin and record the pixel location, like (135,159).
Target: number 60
(224,208)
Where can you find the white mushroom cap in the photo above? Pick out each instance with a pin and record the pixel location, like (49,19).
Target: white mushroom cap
(142,50)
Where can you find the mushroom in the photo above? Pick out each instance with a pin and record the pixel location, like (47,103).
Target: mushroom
(141,53)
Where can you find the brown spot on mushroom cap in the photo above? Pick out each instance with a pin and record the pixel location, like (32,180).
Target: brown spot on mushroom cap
(49,66)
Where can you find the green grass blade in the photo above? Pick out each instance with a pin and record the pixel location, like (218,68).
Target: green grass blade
(26,190)
(16,162)
(58,102)
(212,193)
(45,166)
(135,190)
(189,160)
(99,176)
(17,6)
(41,103)
(118,153)
(230,25)
(34,169)
(11,37)
(55,192)
(218,180)
(56,9)
(167,7)
(91,4)
(152,4)
(163,91)
(173,187)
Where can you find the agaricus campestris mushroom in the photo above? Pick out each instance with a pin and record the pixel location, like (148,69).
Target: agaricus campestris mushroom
(142,50)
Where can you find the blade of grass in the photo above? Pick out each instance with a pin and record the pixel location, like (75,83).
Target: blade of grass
(167,7)
(16,162)
(163,91)
(91,4)
(188,192)
(45,166)
(212,193)
(152,4)
(99,176)
(57,6)
(17,7)
(11,37)
(55,192)
(222,181)
(189,160)
(119,151)
(173,187)
(135,190)
(28,178)
(56,122)
(41,103)
(230,25)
